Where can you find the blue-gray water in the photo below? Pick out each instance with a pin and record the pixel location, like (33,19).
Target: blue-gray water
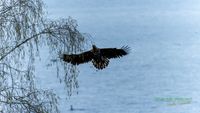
(162,72)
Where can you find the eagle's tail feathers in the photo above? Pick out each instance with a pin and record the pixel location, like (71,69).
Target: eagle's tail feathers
(101,64)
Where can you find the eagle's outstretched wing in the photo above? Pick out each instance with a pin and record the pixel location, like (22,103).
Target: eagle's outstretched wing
(114,52)
(77,59)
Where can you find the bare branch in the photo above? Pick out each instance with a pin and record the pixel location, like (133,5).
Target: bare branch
(23,32)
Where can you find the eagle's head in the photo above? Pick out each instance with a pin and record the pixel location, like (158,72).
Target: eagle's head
(95,50)
(94,47)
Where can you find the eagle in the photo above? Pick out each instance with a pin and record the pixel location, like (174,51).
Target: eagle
(98,56)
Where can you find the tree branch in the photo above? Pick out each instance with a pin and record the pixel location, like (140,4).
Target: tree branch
(20,44)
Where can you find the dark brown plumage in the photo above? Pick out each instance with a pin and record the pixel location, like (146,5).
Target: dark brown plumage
(99,56)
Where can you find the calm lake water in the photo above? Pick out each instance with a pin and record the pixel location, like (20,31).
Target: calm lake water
(162,72)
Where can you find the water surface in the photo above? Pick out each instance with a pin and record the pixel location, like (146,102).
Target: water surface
(160,75)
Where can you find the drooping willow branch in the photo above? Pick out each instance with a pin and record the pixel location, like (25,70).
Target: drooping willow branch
(23,33)
(20,44)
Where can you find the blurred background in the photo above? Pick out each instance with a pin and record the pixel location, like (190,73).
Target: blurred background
(160,75)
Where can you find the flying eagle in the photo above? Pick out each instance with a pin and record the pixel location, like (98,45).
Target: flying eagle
(99,56)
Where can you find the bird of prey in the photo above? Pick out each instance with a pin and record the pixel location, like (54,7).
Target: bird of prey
(99,56)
